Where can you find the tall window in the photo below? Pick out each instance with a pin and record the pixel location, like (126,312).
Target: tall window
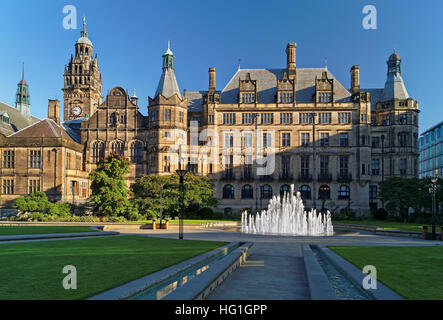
(324,139)
(136,152)
(247,140)
(375,167)
(344,166)
(98,151)
(247,167)
(181,117)
(229,140)
(34,159)
(284,189)
(33,185)
(8,186)
(118,147)
(285,139)
(403,139)
(403,119)
(324,165)
(373,192)
(9,159)
(344,139)
(304,166)
(285,164)
(167,114)
(210,119)
(267,140)
(403,167)
(166,164)
(305,139)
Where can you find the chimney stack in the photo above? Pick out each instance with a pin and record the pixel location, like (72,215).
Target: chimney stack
(212,79)
(54,110)
(355,79)
(290,56)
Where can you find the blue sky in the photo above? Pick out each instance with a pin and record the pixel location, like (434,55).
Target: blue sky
(130,37)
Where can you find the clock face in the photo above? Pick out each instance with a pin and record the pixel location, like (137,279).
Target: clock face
(76,111)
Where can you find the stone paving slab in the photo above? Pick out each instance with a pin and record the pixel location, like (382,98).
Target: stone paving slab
(270,273)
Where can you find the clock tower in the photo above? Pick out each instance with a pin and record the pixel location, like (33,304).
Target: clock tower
(82,81)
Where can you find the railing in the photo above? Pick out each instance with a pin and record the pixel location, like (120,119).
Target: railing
(305,178)
(269,177)
(228,177)
(286,177)
(344,177)
(324,177)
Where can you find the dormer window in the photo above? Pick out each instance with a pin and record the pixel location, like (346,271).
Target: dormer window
(325,97)
(248,98)
(286,97)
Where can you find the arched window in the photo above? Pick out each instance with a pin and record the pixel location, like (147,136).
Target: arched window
(228,192)
(324,192)
(118,147)
(305,192)
(266,191)
(98,151)
(247,192)
(284,189)
(344,192)
(136,152)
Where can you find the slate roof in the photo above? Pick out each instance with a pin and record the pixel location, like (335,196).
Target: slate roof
(267,85)
(17,120)
(167,85)
(195,100)
(47,128)
(376,96)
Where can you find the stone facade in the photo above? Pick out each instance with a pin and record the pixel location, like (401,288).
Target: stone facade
(334,144)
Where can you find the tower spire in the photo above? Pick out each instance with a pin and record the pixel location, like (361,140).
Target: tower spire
(23,71)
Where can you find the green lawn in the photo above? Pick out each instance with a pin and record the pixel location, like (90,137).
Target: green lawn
(20,230)
(34,270)
(413,272)
(389,225)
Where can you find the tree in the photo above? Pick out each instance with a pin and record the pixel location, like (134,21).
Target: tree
(198,193)
(110,193)
(399,194)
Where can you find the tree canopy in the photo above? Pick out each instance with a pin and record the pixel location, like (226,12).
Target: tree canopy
(147,190)
(109,191)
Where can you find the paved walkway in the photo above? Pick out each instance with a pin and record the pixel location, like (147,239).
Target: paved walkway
(275,268)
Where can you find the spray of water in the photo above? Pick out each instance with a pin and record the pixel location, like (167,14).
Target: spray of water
(287,216)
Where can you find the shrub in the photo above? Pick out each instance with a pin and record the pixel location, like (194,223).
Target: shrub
(205,213)
(380,214)
(35,216)
(116,219)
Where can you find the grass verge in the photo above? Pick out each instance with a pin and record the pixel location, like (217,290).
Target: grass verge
(34,270)
(412,272)
(21,230)
(389,225)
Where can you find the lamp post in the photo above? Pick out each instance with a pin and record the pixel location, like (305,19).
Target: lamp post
(382,157)
(181,173)
(161,205)
(255,117)
(433,191)
(314,159)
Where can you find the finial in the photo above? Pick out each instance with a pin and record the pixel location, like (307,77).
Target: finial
(169,44)
(84,21)
(23,71)
(326,64)
(239,62)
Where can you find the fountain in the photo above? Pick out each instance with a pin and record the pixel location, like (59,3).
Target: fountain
(287,217)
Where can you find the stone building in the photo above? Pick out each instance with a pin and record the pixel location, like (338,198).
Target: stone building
(267,129)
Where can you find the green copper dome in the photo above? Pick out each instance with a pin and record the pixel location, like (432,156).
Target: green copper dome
(84,35)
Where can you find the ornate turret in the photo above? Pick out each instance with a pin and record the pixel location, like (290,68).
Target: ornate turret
(167,85)
(394,86)
(22,101)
